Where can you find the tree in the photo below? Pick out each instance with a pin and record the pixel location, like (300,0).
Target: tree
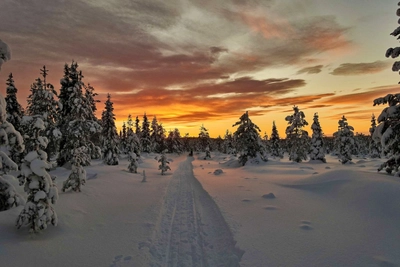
(123,137)
(14,110)
(388,129)
(317,141)
(228,143)
(77,177)
(10,141)
(133,162)
(42,102)
(275,142)
(248,141)
(374,146)
(5,53)
(75,117)
(42,192)
(204,138)
(344,140)
(163,163)
(132,141)
(145,135)
(109,133)
(174,142)
(297,138)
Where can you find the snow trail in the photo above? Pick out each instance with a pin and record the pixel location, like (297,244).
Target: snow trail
(191,230)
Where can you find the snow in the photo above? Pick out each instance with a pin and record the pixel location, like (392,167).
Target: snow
(5,53)
(322,214)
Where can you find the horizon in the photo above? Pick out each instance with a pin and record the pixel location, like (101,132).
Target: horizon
(193,63)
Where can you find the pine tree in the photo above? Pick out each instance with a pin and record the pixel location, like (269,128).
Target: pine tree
(132,140)
(275,143)
(228,145)
(317,141)
(42,192)
(374,147)
(344,140)
(174,143)
(75,117)
(163,163)
(77,177)
(90,95)
(123,136)
(14,110)
(42,102)
(10,141)
(297,138)
(145,135)
(138,130)
(248,141)
(109,133)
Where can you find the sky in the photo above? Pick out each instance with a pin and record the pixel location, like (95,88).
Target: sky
(206,62)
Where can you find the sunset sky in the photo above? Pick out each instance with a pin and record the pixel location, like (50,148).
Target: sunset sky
(208,61)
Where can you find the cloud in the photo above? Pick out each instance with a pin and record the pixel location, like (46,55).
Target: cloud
(348,69)
(311,70)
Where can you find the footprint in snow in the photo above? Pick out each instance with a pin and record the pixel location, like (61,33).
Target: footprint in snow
(305,225)
(120,260)
(246,200)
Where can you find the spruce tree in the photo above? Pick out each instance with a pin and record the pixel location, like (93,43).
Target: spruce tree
(228,143)
(10,141)
(344,140)
(138,130)
(14,110)
(109,133)
(204,138)
(317,141)
(42,192)
(174,142)
(77,177)
(145,135)
(42,102)
(132,140)
(374,146)
(133,162)
(75,117)
(388,130)
(248,141)
(123,137)
(297,138)
(275,143)
(163,163)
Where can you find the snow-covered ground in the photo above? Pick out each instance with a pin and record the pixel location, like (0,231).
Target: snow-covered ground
(280,213)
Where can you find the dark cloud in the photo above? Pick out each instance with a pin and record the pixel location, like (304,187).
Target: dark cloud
(311,70)
(348,69)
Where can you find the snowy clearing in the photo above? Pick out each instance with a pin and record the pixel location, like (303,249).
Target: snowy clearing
(280,213)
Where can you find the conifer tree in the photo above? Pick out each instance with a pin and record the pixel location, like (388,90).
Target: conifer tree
(109,133)
(297,138)
(248,141)
(123,136)
(317,141)
(133,162)
(275,142)
(77,177)
(163,163)
(42,102)
(42,192)
(388,130)
(75,117)
(10,141)
(174,143)
(228,144)
(90,95)
(344,140)
(374,146)
(14,110)
(204,138)
(145,135)
(138,130)
(132,141)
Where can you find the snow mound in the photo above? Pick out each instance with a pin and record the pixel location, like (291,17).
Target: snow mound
(218,172)
(269,196)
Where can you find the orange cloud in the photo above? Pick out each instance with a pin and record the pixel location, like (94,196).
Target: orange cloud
(347,69)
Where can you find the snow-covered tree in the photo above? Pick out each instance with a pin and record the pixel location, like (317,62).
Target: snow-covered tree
(174,142)
(317,142)
(374,147)
(275,143)
(5,53)
(133,162)
(109,133)
(13,108)
(344,140)
(157,136)
(145,135)
(228,146)
(42,192)
(42,102)
(77,177)
(123,136)
(297,138)
(10,141)
(132,140)
(163,163)
(138,130)
(75,117)
(90,95)
(204,138)
(248,141)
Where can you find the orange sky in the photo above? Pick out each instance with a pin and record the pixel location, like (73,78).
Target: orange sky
(206,62)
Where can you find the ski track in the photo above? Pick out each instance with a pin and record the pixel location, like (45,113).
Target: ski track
(191,230)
